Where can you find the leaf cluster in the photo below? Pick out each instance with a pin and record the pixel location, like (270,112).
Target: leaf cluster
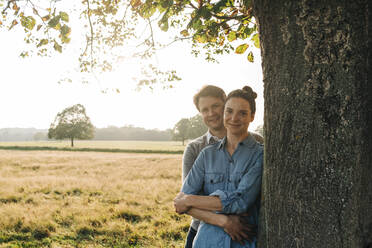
(215,25)
(114,27)
(45,27)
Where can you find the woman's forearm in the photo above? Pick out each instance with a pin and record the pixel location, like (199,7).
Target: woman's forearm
(208,217)
(211,203)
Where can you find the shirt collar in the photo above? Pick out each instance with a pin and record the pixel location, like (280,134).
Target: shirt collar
(249,141)
(209,136)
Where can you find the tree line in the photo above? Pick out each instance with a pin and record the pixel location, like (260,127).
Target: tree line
(72,123)
(107,133)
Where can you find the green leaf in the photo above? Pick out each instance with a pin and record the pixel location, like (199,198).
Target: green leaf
(28,22)
(42,42)
(166,3)
(54,21)
(58,26)
(201,38)
(250,57)
(64,16)
(241,49)
(163,22)
(185,33)
(65,30)
(196,24)
(65,39)
(256,40)
(205,13)
(57,47)
(147,10)
(231,36)
(163,25)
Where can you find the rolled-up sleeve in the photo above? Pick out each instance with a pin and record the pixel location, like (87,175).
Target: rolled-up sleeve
(244,196)
(194,181)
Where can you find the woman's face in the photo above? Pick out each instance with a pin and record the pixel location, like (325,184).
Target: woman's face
(237,116)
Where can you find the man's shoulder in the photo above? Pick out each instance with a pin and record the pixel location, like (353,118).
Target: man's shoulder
(257,137)
(201,140)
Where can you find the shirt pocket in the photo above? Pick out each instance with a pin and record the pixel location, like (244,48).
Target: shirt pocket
(213,182)
(235,180)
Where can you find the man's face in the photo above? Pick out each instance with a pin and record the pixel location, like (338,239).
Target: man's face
(211,109)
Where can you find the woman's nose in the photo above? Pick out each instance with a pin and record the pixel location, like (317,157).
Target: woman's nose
(234,117)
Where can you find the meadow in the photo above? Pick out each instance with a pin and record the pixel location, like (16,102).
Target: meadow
(89,199)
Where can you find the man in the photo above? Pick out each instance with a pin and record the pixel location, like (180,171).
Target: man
(210,101)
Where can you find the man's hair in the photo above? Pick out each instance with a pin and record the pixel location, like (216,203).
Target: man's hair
(246,93)
(209,90)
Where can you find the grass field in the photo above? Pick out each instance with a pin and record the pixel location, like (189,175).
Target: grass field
(89,199)
(126,144)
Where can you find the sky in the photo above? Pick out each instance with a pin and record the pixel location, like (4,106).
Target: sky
(31,95)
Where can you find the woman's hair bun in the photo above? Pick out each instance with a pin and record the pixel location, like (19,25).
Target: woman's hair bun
(250,92)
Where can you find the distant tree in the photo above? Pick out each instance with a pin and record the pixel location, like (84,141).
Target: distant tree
(181,130)
(72,123)
(197,127)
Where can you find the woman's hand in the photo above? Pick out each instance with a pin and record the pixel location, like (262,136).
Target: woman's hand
(180,203)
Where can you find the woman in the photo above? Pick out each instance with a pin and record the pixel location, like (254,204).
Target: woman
(229,175)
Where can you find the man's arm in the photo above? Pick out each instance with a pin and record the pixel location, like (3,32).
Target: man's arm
(234,225)
(189,156)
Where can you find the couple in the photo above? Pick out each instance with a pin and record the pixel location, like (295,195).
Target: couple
(222,182)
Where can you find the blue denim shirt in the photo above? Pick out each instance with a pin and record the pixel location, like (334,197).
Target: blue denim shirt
(235,179)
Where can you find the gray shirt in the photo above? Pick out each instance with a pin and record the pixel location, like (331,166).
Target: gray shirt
(192,151)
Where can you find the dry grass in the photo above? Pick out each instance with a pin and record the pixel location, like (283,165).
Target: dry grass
(79,199)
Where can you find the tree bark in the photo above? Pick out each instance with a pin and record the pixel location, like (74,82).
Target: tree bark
(72,141)
(317,186)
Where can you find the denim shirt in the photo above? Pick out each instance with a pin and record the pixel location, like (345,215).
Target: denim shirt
(235,179)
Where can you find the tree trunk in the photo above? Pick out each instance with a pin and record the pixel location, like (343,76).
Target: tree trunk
(317,186)
(72,141)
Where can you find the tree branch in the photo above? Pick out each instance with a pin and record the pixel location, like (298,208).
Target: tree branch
(152,32)
(8,6)
(91,32)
